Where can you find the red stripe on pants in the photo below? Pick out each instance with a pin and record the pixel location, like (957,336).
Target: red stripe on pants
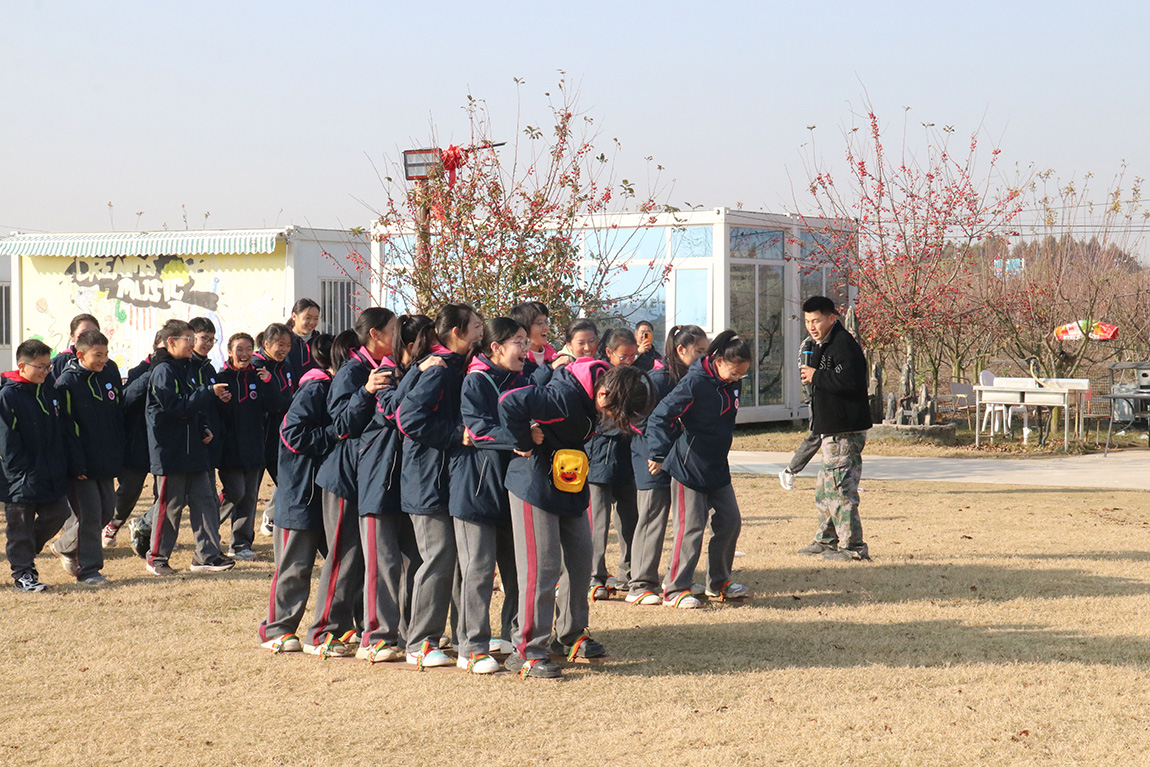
(272,597)
(161,519)
(369,586)
(335,562)
(532,575)
(681,496)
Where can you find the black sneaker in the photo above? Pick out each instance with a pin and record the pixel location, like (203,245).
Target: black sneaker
(815,549)
(29,583)
(217,565)
(540,668)
(161,568)
(846,555)
(584,647)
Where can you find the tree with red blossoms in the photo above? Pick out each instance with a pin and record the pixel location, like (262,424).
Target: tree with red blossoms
(1070,260)
(495,224)
(905,227)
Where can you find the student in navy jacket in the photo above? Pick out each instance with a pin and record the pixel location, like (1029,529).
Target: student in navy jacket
(612,483)
(549,523)
(91,397)
(430,420)
(307,435)
(35,462)
(391,554)
(302,323)
(685,344)
(704,404)
(274,344)
(137,463)
(356,357)
(478,499)
(204,372)
(242,457)
(177,441)
(81,323)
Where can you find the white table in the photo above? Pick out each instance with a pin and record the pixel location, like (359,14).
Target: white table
(1044,392)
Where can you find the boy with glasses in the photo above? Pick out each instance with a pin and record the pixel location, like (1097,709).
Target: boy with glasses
(35,462)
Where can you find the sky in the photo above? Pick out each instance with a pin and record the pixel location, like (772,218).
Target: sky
(269,114)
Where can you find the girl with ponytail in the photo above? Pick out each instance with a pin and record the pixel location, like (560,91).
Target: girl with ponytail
(689,435)
(685,344)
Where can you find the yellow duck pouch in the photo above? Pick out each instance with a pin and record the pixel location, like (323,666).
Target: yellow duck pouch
(569,470)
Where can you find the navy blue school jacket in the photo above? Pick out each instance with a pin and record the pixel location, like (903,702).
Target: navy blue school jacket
(204,373)
(609,455)
(429,418)
(306,437)
(381,449)
(351,407)
(477,491)
(244,418)
(299,358)
(661,386)
(282,387)
(36,461)
(60,363)
(135,420)
(175,415)
(705,406)
(92,405)
(565,411)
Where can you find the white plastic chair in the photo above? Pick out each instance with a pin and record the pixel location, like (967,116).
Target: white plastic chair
(1000,416)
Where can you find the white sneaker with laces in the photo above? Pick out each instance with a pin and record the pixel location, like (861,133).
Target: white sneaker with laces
(480,664)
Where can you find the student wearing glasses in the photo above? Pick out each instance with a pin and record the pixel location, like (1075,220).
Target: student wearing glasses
(34,460)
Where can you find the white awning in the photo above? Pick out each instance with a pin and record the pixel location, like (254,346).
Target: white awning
(108,244)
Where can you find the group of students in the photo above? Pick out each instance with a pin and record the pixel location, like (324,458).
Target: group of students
(416,455)
(78,443)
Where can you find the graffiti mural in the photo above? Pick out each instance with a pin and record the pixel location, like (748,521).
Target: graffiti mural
(132,296)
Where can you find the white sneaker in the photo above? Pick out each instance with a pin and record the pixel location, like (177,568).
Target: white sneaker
(730,591)
(501,646)
(645,598)
(378,653)
(428,657)
(286,643)
(476,664)
(683,601)
(786,479)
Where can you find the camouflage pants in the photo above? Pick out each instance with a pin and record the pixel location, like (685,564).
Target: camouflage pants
(837,492)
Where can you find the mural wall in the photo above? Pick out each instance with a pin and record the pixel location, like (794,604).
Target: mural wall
(132,296)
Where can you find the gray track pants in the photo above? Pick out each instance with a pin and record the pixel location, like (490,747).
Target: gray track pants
(650,531)
(337,605)
(129,488)
(29,527)
(541,538)
(431,597)
(806,450)
(391,558)
(295,552)
(93,504)
(482,546)
(240,491)
(603,497)
(689,518)
(197,492)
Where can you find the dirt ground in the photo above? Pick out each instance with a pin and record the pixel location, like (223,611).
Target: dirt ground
(996,625)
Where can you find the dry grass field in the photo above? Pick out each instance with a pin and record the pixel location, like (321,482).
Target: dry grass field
(996,625)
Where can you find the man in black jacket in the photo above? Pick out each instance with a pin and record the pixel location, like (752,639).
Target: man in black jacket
(841,415)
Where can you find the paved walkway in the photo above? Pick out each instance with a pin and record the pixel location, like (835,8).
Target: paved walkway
(1127,470)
